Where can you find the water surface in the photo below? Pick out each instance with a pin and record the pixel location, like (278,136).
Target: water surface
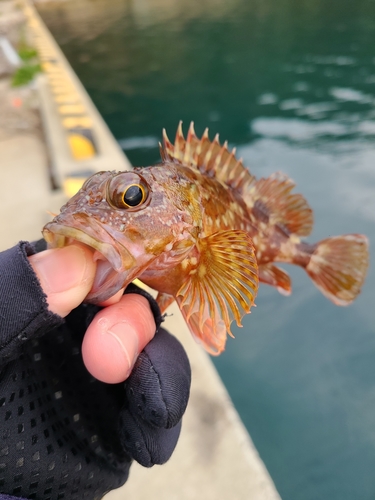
(291,84)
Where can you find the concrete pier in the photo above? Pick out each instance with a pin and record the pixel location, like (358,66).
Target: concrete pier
(43,140)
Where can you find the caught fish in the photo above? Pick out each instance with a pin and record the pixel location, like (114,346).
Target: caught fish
(202,230)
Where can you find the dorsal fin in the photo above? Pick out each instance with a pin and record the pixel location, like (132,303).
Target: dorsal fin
(272,196)
(209,157)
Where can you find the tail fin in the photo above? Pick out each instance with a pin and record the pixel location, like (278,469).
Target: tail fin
(338,267)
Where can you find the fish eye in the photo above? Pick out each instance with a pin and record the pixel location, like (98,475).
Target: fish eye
(134,195)
(127,190)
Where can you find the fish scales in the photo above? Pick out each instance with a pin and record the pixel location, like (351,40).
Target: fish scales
(202,230)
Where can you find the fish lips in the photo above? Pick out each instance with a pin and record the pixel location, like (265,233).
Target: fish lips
(118,262)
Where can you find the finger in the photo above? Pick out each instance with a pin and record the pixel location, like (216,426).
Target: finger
(115,338)
(66,276)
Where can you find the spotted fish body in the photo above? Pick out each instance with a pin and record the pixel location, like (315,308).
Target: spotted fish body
(201,230)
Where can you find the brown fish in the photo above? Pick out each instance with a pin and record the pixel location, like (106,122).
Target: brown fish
(201,230)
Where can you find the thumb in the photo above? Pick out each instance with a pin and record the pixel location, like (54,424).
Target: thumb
(66,276)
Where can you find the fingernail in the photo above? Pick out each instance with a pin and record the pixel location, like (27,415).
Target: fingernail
(61,269)
(128,341)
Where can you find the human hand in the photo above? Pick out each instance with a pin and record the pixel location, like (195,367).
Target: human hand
(91,431)
(117,334)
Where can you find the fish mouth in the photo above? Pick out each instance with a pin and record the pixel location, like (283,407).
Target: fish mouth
(112,259)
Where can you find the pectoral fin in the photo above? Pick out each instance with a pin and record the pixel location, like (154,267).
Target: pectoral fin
(220,288)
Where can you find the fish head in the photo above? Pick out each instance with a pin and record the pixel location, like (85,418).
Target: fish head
(129,219)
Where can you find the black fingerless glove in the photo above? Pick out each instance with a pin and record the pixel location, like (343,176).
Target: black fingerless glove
(157,392)
(64,434)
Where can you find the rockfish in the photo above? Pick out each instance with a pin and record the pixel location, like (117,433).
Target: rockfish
(202,230)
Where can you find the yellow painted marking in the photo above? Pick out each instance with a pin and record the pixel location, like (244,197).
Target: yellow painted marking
(62,89)
(67,98)
(72,185)
(45,56)
(57,76)
(61,82)
(50,67)
(77,122)
(72,109)
(81,147)
(57,82)
(34,23)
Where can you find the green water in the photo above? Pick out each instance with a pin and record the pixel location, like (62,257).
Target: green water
(292,85)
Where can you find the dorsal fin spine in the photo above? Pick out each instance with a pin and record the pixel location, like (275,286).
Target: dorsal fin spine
(162,154)
(168,147)
(188,149)
(187,152)
(215,160)
(178,143)
(219,157)
(237,182)
(228,160)
(191,132)
(209,157)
